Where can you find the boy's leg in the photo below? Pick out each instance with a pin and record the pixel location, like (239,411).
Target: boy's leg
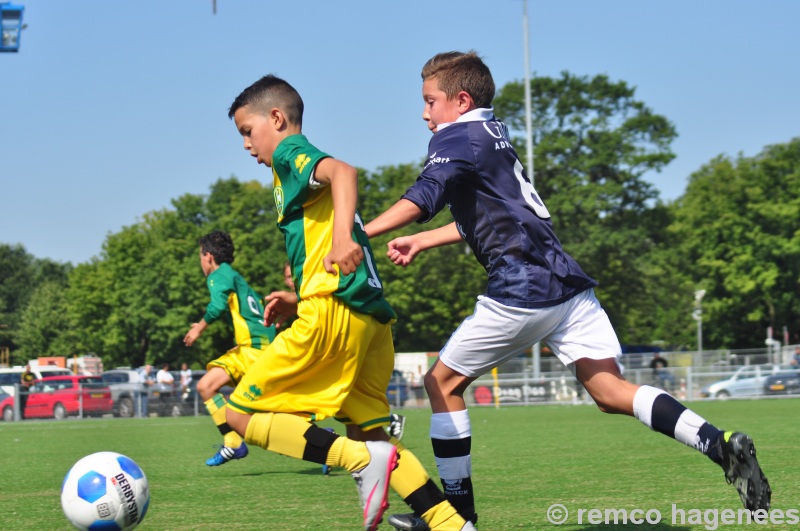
(659,411)
(451,436)
(414,485)
(233,447)
(493,334)
(372,463)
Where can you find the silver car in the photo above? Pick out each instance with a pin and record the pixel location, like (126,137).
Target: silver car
(746,381)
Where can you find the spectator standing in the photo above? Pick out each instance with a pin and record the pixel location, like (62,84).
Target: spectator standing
(25,381)
(146,380)
(186,379)
(416,385)
(166,387)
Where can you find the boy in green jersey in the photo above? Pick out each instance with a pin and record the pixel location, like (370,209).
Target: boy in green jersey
(336,359)
(235,301)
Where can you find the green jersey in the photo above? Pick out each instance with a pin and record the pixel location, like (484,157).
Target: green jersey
(233,299)
(305,216)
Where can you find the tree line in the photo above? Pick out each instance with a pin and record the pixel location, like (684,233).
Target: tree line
(734,233)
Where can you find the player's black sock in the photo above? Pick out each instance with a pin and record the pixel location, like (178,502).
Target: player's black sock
(452,439)
(660,412)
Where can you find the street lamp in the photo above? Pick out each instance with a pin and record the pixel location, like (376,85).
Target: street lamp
(697,315)
(11,25)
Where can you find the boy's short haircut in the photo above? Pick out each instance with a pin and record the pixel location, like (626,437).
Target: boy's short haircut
(457,71)
(269,92)
(220,245)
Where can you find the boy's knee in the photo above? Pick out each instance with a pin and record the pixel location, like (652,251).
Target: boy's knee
(203,389)
(614,403)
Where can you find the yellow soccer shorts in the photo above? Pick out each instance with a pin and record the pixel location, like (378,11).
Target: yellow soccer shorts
(237,361)
(332,362)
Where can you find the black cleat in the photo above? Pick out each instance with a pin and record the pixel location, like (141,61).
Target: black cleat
(742,471)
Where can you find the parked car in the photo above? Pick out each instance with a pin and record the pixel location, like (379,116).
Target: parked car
(783,383)
(11,375)
(397,392)
(746,381)
(61,396)
(124,384)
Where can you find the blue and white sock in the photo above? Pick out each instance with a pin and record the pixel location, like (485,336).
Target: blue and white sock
(451,437)
(660,412)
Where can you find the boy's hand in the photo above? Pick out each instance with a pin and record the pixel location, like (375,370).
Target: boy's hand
(192,335)
(346,254)
(279,306)
(403,250)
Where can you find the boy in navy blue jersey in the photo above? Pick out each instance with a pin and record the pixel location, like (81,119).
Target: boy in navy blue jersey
(535,292)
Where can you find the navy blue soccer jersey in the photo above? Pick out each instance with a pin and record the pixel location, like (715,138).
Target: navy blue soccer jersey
(473,169)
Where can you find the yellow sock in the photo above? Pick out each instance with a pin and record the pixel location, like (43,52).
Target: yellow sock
(414,485)
(348,454)
(216,408)
(278,432)
(444,517)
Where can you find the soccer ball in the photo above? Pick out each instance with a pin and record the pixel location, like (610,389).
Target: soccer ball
(105,491)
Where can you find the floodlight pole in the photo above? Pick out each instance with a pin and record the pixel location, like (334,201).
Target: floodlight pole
(537,351)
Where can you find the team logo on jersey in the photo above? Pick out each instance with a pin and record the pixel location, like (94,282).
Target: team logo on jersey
(277,193)
(433,159)
(496,129)
(301,161)
(253,393)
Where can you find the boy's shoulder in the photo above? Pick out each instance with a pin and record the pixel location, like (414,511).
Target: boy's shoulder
(467,140)
(293,143)
(225,270)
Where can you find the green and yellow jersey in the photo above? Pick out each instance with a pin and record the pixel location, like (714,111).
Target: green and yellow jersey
(305,216)
(233,299)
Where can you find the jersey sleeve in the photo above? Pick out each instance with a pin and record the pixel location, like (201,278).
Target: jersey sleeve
(219,287)
(448,164)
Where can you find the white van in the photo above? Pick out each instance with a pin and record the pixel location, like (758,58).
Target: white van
(11,375)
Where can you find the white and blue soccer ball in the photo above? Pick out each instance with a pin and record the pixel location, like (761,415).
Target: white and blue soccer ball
(105,491)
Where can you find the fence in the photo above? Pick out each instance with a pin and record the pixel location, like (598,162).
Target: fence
(689,376)
(82,402)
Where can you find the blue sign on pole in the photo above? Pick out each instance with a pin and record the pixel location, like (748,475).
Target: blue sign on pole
(11,26)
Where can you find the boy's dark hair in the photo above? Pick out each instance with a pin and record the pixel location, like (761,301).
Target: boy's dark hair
(220,245)
(268,92)
(457,71)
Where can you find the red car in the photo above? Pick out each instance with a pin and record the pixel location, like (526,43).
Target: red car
(60,396)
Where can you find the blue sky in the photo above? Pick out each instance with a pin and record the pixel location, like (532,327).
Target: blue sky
(113,108)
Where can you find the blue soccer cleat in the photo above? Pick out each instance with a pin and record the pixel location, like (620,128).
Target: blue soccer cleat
(225,454)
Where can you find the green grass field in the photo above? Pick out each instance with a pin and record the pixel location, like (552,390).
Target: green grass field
(525,459)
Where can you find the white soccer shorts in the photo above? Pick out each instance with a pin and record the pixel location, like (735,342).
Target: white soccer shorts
(495,333)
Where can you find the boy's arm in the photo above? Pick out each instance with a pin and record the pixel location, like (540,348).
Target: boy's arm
(402,213)
(194,332)
(343,180)
(404,249)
